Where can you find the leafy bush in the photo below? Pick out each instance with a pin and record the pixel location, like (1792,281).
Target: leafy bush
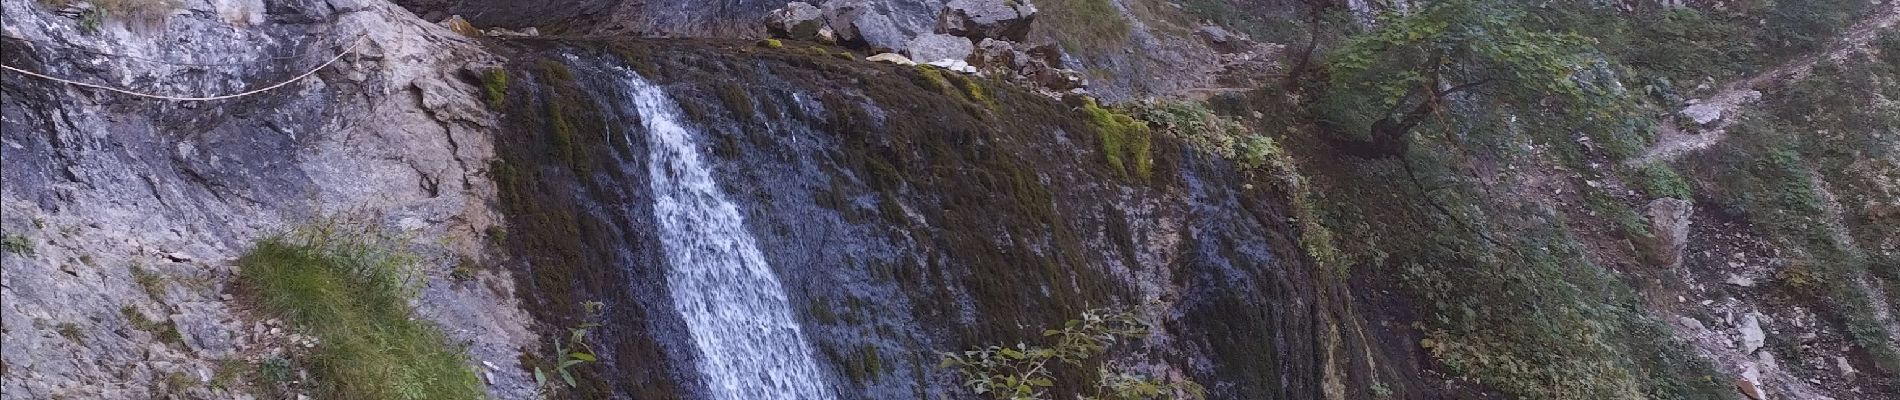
(350,288)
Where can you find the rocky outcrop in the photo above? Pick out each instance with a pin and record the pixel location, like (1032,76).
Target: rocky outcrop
(995,19)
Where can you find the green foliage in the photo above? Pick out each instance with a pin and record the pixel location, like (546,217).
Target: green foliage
(771,43)
(495,86)
(1026,372)
(350,287)
(1084,26)
(1125,141)
(16,244)
(165,330)
(1500,76)
(1659,180)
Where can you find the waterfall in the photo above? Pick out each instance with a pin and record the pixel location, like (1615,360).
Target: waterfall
(750,346)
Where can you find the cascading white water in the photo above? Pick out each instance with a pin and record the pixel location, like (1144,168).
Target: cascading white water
(750,345)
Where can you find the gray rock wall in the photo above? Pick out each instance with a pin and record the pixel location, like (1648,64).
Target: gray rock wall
(101,184)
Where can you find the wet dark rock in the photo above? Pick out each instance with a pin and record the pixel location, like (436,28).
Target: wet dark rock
(978,19)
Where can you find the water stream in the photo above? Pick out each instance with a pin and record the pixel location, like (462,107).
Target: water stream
(750,345)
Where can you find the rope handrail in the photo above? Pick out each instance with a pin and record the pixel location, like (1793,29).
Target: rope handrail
(313,71)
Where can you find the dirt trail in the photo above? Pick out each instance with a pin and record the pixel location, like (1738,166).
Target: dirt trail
(1708,118)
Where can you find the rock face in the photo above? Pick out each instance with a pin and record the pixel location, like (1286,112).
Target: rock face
(797,21)
(936,47)
(978,19)
(136,208)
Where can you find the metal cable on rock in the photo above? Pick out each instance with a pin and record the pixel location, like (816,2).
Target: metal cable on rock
(313,71)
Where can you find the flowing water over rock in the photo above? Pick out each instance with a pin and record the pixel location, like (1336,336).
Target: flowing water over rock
(750,345)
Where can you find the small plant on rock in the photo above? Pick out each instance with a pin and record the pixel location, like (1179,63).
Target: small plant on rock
(571,352)
(16,244)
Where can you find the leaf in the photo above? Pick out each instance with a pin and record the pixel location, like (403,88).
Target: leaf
(569,378)
(1043,382)
(581,356)
(540,377)
(1012,354)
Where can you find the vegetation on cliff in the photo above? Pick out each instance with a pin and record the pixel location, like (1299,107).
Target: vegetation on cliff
(350,289)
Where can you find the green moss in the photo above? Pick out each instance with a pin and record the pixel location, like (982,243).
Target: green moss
(1125,141)
(351,293)
(495,86)
(771,43)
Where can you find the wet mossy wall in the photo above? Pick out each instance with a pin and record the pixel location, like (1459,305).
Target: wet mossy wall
(908,211)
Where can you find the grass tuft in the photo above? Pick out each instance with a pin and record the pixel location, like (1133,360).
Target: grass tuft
(351,291)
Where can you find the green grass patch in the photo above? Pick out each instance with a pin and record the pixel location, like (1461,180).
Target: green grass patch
(1084,26)
(351,291)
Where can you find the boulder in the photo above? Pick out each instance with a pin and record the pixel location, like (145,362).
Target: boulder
(1669,230)
(1752,335)
(893,58)
(977,19)
(797,20)
(857,25)
(938,46)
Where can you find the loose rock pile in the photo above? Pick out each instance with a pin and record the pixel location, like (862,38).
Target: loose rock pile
(971,36)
